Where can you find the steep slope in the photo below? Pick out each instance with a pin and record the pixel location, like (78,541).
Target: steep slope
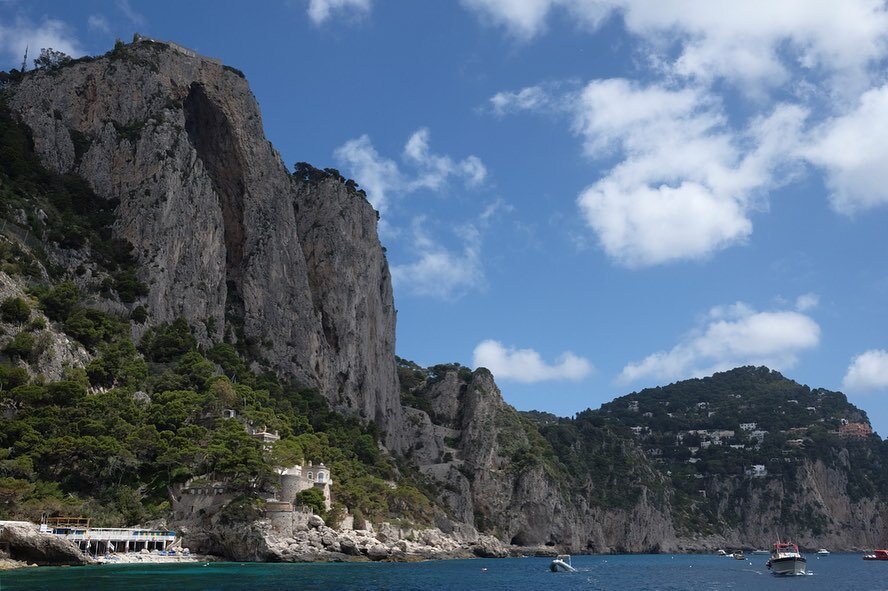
(732,460)
(750,455)
(224,236)
(500,474)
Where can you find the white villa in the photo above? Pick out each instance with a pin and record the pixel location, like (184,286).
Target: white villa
(299,478)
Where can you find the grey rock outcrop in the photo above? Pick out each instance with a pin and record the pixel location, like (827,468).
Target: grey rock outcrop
(27,544)
(485,482)
(225,236)
(310,540)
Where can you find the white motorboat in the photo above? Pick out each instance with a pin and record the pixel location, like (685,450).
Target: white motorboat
(786,560)
(823,552)
(561,564)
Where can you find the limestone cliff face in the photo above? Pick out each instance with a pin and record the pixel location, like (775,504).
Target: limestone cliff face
(819,509)
(351,290)
(225,236)
(490,479)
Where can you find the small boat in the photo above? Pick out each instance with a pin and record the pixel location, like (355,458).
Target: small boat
(722,552)
(786,560)
(823,552)
(738,555)
(877,555)
(760,552)
(561,564)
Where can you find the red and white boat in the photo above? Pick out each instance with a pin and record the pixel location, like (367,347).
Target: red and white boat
(877,555)
(786,560)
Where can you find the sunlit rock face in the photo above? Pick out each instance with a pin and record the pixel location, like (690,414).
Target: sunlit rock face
(226,237)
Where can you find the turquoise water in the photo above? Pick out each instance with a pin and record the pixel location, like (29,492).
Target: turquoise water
(837,572)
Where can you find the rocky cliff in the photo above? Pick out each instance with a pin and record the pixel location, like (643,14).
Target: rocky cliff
(25,543)
(499,473)
(225,237)
(589,484)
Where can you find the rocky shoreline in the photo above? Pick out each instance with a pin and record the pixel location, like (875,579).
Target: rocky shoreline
(309,539)
(262,541)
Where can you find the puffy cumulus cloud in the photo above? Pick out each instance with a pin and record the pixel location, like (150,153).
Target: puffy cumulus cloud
(438,272)
(526,365)
(867,372)
(642,225)
(319,11)
(687,182)
(382,177)
(752,43)
(852,149)
(731,336)
(23,33)
(679,154)
(757,42)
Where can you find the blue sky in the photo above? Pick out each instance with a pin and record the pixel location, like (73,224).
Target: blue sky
(588,197)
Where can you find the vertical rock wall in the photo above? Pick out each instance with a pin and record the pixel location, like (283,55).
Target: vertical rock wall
(225,237)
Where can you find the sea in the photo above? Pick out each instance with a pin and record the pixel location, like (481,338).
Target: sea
(660,572)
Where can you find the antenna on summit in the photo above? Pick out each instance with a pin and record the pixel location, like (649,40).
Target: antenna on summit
(25,60)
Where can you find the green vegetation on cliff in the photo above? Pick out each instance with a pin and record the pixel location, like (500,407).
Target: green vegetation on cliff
(112,439)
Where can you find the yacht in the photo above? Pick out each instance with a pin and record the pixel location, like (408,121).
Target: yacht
(561,564)
(876,555)
(786,560)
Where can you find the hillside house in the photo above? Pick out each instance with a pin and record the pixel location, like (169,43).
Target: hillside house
(302,477)
(757,471)
(758,434)
(859,430)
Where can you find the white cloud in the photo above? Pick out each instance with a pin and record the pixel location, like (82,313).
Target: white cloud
(807,301)
(434,170)
(751,43)
(532,98)
(687,182)
(378,175)
(867,372)
(319,11)
(756,41)
(852,149)
(382,177)
(438,272)
(49,33)
(643,225)
(679,152)
(731,336)
(525,19)
(98,22)
(526,365)
(129,12)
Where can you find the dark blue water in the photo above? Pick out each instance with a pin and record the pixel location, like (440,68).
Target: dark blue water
(837,572)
